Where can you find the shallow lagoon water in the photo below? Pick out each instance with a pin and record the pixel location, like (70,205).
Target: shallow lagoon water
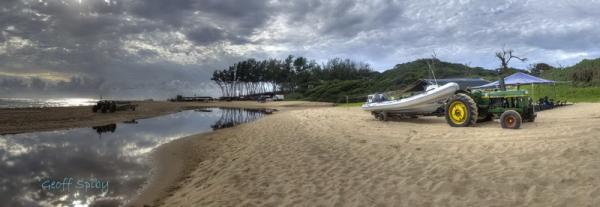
(34,165)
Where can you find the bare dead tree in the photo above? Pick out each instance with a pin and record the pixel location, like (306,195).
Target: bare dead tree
(468,65)
(505,56)
(560,66)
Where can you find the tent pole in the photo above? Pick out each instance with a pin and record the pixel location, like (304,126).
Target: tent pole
(533,96)
(555,97)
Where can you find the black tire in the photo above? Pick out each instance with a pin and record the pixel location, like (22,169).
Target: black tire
(375,114)
(103,108)
(95,109)
(383,116)
(471,110)
(510,119)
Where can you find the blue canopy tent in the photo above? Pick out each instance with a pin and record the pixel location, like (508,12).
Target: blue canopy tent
(518,79)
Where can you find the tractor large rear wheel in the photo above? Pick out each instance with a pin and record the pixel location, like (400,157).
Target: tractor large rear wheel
(461,111)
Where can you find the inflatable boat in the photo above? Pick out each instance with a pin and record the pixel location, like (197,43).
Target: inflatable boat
(427,102)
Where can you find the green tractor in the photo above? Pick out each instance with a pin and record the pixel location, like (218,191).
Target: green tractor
(468,108)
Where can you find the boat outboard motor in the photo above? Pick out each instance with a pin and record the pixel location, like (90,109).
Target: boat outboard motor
(371,98)
(379,98)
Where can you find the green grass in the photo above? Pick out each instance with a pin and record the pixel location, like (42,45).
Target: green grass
(565,91)
(357,104)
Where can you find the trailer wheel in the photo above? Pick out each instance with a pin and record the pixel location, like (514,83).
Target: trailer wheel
(461,111)
(381,116)
(510,119)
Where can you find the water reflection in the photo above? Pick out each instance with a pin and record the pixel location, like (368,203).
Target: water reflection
(133,121)
(120,157)
(106,128)
(234,117)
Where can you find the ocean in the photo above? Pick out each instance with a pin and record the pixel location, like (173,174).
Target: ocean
(48,102)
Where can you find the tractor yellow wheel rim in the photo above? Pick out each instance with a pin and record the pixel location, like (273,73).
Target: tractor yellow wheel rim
(458,112)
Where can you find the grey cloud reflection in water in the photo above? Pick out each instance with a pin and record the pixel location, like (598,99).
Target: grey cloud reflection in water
(118,156)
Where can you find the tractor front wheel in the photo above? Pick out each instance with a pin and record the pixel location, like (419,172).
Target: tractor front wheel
(510,119)
(461,111)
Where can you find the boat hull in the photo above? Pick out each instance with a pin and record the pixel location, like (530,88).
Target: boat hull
(425,103)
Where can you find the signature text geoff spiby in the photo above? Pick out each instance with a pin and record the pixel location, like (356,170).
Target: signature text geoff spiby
(66,184)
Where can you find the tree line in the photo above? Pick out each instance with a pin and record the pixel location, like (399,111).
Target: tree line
(292,74)
(339,79)
(585,73)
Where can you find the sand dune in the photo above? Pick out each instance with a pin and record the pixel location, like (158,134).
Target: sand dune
(343,157)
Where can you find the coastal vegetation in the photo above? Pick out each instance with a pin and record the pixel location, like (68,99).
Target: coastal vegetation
(564,91)
(344,80)
(291,75)
(576,83)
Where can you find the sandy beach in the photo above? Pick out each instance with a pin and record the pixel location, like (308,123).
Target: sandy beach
(312,154)
(339,156)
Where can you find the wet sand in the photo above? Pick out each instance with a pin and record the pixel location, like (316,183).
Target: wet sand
(339,156)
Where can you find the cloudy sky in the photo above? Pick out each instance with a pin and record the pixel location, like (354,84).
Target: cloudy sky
(157,48)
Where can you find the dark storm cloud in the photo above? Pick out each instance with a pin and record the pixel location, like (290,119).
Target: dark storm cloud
(199,19)
(87,39)
(350,18)
(208,35)
(138,48)
(170,12)
(389,32)
(64,37)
